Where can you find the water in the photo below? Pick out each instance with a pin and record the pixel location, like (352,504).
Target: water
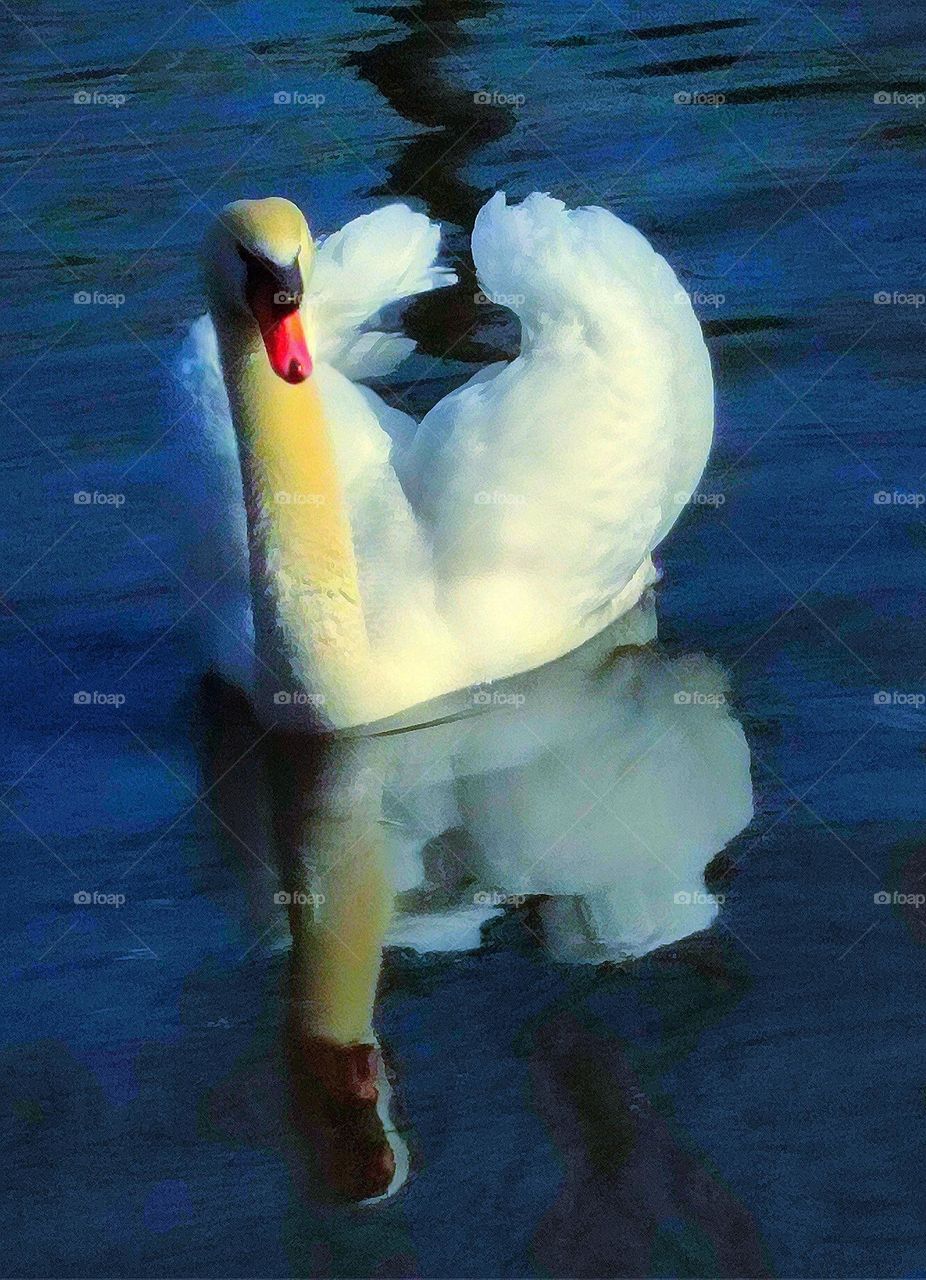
(778,1056)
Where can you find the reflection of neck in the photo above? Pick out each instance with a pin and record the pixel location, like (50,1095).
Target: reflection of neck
(307,608)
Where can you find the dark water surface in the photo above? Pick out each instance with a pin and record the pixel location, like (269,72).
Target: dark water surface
(752,1102)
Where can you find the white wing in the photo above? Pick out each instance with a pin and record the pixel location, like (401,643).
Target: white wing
(545,484)
(375,260)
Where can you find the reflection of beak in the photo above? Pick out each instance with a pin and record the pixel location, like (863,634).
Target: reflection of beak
(274,295)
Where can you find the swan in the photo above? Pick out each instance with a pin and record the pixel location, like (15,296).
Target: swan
(363,573)
(356,565)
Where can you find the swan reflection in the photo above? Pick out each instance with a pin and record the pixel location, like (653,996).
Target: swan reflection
(592,791)
(602,783)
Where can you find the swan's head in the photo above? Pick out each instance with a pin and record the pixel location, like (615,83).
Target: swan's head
(258,256)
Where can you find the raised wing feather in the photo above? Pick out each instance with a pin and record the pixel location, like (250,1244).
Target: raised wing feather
(373,261)
(545,484)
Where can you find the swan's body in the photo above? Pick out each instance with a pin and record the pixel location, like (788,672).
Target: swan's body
(393,563)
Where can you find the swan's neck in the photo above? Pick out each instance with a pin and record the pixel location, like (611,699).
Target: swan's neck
(308,615)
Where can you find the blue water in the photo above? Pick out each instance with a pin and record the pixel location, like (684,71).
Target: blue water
(779,1059)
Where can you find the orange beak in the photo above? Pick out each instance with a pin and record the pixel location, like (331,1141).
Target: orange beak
(284,339)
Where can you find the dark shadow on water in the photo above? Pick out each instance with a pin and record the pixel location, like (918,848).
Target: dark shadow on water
(634,1200)
(412,74)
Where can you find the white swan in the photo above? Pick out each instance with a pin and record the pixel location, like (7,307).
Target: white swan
(392,563)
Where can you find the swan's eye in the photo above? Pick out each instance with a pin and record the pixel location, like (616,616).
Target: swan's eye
(279,285)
